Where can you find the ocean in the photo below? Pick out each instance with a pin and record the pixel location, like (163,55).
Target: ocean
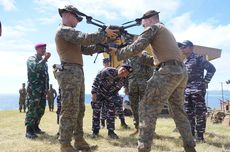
(10,102)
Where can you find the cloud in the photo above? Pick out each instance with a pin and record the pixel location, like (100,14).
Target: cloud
(206,34)
(8,5)
(114,9)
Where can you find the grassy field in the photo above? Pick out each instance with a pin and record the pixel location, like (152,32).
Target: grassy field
(12,136)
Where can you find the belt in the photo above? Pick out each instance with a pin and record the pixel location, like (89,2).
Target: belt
(171,62)
(66,65)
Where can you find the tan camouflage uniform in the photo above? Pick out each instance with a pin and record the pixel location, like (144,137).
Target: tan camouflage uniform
(166,84)
(71,43)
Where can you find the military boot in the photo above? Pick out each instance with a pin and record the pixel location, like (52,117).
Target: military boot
(124,125)
(67,148)
(37,130)
(141,150)
(112,135)
(134,133)
(189,149)
(81,144)
(30,133)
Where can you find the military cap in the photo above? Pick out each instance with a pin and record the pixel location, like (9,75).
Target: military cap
(127,67)
(186,43)
(39,45)
(71,9)
(149,14)
(106,60)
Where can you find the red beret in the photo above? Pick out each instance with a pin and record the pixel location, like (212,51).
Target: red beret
(38,45)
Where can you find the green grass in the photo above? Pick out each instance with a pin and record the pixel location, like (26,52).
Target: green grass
(12,135)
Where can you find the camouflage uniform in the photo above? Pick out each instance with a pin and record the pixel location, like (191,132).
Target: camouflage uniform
(137,81)
(38,83)
(106,86)
(118,110)
(22,99)
(71,80)
(51,95)
(195,92)
(166,84)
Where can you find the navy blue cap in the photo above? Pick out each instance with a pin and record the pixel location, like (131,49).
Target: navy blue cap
(186,43)
(127,67)
(106,60)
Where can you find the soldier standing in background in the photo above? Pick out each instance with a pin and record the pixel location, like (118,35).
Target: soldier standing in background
(38,85)
(167,84)
(195,91)
(105,90)
(135,90)
(51,95)
(22,98)
(71,44)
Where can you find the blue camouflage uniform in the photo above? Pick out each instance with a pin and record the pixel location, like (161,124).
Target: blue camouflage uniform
(106,86)
(195,92)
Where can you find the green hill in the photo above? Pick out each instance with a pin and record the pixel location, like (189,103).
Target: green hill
(12,136)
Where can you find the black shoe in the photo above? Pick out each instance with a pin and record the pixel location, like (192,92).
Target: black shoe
(37,130)
(200,140)
(30,133)
(112,135)
(125,126)
(94,135)
(189,149)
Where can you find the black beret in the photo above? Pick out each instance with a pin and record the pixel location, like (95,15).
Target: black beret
(186,43)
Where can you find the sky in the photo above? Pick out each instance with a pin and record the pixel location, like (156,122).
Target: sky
(27,22)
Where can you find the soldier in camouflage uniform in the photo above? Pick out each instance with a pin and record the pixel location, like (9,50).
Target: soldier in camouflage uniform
(137,81)
(71,44)
(118,105)
(38,83)
(51,95)
(167,84)
(22,98)
(105,90)
(196,89)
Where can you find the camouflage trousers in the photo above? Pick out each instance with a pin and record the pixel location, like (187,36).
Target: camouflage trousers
(118,103)
(71,83)
(22,104)
(51,104)
(195,108)
(166,84)
(36,104)
(109,105)
(136,92)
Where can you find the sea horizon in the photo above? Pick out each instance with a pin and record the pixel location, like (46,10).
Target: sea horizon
(10,101)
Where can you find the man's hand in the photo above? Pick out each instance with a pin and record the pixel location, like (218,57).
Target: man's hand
(111,33)
(94,97)
(47,55)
